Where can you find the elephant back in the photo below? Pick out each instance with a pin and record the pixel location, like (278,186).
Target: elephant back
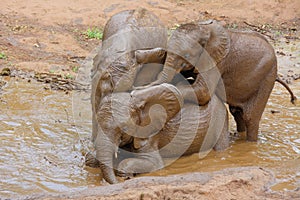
(192,130)
(131,19)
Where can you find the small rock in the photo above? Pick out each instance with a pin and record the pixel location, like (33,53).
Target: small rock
(296,76)
(275,111)
(280,53)
(5,72)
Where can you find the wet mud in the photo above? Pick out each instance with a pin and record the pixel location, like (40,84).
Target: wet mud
(44,132)
(45,135)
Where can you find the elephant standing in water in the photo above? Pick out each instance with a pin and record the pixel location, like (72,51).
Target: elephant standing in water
(240,67)
(115,69)
(142,121)
(147,120)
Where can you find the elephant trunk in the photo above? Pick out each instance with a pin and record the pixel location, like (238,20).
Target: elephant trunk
(166,75)
(155,106)
(105,150)
(169,70)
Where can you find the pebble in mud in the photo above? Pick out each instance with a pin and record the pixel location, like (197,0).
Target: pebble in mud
(5,72)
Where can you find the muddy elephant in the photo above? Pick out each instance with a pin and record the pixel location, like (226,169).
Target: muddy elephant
(115,67)
(240,67)
(153,124)
(119,119)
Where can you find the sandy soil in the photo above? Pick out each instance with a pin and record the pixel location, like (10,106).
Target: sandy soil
(238,183)
(47,36)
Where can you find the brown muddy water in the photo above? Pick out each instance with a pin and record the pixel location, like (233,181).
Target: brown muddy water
(44,135)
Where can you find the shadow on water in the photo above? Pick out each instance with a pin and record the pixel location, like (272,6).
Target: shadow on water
(43,138)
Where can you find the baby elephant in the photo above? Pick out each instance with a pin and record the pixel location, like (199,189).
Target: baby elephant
(154,123)
(240,67)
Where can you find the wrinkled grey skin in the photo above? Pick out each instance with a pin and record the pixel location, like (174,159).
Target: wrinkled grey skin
(121,113)
(178,138)
(245,60)
(158,136)
(115,69)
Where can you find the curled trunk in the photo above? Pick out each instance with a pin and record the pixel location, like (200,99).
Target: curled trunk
(154,107)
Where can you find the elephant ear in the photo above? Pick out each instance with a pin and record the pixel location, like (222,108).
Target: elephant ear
(218,44)
(102,85)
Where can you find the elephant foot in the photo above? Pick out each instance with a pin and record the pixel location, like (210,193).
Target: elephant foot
(132,166)
(91,161)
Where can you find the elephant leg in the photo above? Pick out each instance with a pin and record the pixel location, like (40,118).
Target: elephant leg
(223,140)
(147,162)
(147,158)
(238,118)
(254,108)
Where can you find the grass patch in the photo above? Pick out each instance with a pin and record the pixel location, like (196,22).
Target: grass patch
(94,33)
(2,55)
(68,76)
(75,69)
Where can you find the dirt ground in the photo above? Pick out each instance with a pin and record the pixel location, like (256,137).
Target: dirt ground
(48,36)
(229,184)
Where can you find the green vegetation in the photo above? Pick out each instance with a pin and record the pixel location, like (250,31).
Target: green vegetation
(2,55)
(175,26)
(94,33)
(68,76)
(278,33)
(75,69)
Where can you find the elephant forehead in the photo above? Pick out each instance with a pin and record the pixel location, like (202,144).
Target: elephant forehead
(130,39)
(115,113)
(185,46)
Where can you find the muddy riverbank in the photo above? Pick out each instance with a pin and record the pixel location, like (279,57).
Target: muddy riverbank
(45,124)
(237,183)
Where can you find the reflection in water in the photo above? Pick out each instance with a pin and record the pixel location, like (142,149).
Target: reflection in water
(41,148)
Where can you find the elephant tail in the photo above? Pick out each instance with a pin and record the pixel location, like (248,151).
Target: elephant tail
(293,97)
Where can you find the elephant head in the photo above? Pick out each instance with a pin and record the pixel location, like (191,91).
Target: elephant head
(123,116)
(190,45)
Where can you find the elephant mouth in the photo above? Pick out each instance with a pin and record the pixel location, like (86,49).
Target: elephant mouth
(189,76)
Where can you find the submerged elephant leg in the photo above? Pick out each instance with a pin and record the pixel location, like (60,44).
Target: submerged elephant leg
(238,118)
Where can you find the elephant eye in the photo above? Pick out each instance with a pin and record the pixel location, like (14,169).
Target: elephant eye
(186,56)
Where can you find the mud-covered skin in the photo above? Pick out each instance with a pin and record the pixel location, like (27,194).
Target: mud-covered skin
(115,69)
(183,134)
(245,61)
(172,142)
